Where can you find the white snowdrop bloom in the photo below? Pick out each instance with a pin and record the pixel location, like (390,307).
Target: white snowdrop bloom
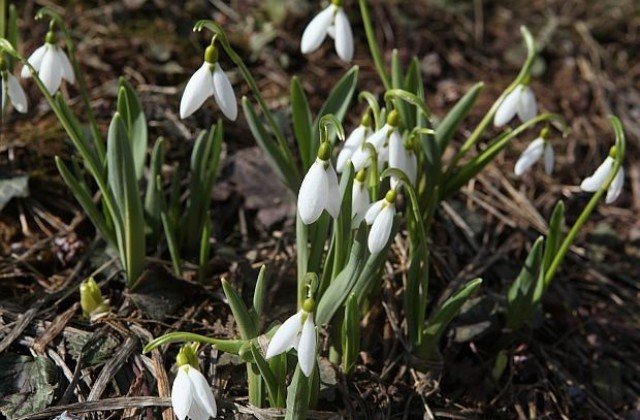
(331,21)
(51,64)
(319,190)
(209,80)
(361,158)
(10,89)
(536,149)
(402,158)
(595,181)
(191,395)
(520,101)
(298,332)
(360,200)
(353,143)
(380,216)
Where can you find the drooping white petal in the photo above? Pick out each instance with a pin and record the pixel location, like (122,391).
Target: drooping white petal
(527,107)
(360,202)
(361,158)
(35,59)
(508,108)
(203,392)
(548,158)
(16,94)
(199,88)
(383,157)
(381,229)
(223,92)
(379,138)
(316,30)
(531,154)
(373,211)
(595,181)
(197,412)
(307,346)
(615,188)
(343,36)
(67,69)
(334,199)
(357,137)
(51,70)
(284,338)
(312,197)
(181,394)
(353,143)
(400,158)
(344,157)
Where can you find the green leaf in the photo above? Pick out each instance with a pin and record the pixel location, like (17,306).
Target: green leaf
(341,286)
(297,396)
(154,194)
(337,103)
(520,296)
(554,237)
(124,184)
(26,384)
(246,323)
(350,334)
(342,225)
(397,79)
(130,109)
(302,123)
(447,128)
(259,291)
(273,387)
(445,314)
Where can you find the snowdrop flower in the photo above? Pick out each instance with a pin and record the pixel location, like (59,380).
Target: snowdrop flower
(331,21)
(379,140)
(536,149)
(191,395)
(360,200)
(297,332)
(10,88)
(380,215)
(595,181)
(520,101)
(319,190)
(209,80)
(51,64)
(353,143)
(402,156)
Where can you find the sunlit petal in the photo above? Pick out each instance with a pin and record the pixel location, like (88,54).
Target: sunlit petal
(508,108)
(199,88)
(181,394)
(343,36)
(381,229)
(595,181)
(35,59)
(223,92)
(531,154)
(316,31)
(312,197)
(307,346)
(284,338)
(203,392)
(16,94)
(616,187)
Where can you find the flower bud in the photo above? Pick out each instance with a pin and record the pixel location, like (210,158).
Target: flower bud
(393,119)
(91,299)
(187,356)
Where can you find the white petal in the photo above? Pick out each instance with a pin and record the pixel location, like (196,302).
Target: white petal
(344,157)
(357,137)
(334,199)
(284,338)
(616,187)
(35,59)
(399,158)
(379,138)
(383,157)
(223,92)
(51,70)
(360,159)
(595,181)
(343,36)
(203,392)
(197,412)
(527,107)
(16,94)
(531,154)
(312,197)
(67,69)
(548,158)
(508,108)
(316,31)
(360,202)
(307,346)
(199,88)
(373,211)
(181,394)
(381,229)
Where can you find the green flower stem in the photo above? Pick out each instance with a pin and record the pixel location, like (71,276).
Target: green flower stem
(373,45)
(621,145)
(227,346)
(486,120)
(82,85)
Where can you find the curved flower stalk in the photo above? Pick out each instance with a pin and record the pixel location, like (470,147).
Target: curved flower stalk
(209,80)
(331,21)
(354,142)
(299,333)
(10,89)
(538,148)
(319,190)
(51,63)
(380,216)
(360,200)
(594,182)
(191,395)
(521,102)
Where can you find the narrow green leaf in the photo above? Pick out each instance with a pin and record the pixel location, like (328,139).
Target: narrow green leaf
(397,79)
(172,243)
(350,334)
(520,296)
(259,292)
(153,195)
(267,375)
(130,109)
(447,128)
(246,324)
(205,248)
(337,103)
(342,225)
(554,237)
(302,123)
(297,396)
